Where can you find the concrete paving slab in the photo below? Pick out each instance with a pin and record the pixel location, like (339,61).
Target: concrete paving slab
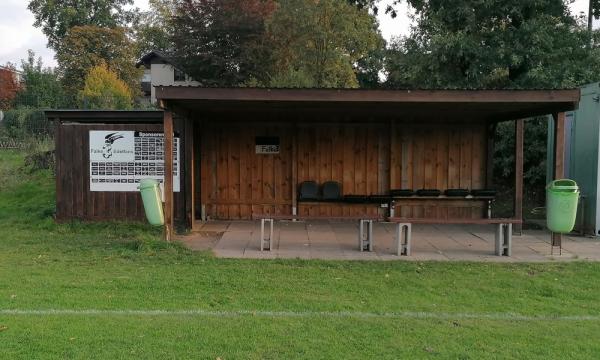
(338,240)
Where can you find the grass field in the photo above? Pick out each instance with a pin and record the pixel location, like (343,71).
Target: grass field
(115,291)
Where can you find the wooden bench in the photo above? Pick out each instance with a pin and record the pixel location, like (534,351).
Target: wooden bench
(365,227)
(399,201)
(503,235)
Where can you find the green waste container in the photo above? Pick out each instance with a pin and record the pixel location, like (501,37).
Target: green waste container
(562,197)
(150,190)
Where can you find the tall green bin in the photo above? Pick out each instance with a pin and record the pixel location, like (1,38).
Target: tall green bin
(151,197)
(562,197)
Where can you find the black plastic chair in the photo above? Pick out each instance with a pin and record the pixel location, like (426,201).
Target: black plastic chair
(309,191)
(331,191)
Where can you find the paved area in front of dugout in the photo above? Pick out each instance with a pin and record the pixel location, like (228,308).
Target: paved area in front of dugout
(338,240)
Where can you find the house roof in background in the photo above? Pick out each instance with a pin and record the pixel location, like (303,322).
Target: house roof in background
(154,57)
(13,70)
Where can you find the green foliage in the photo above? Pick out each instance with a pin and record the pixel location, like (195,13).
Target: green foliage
(534,175)
(90,46)
(152,30)
(595,8)
(320,40)
(493,44)
(375,6)
(104,90)
(216,42)
(24,123)
(57,17)
(42,87)
(290,43)
(369,68)
(288,78)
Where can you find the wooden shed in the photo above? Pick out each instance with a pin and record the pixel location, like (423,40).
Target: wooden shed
(245,151)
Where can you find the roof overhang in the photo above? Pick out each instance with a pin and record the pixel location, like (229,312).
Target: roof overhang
(105,116)
(496,105)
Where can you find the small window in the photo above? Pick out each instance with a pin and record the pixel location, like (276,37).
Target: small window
(178,75)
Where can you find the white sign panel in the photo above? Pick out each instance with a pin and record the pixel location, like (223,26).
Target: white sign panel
(267,149)
(267,144)
(120,159)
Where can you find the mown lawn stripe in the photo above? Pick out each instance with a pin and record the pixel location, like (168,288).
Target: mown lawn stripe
(298,314)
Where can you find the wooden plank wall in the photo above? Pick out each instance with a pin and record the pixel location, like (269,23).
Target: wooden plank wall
(74,200)
(348,154)
(235,181)
(439,156)
(368,158)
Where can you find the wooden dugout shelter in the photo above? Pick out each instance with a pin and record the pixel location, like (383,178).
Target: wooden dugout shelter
(369,141)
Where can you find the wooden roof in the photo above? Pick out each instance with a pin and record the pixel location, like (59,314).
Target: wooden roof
(409,104)
(106,116)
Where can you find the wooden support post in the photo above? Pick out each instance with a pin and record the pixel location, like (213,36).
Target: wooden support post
(489,175)
(294,169)
(559,158)
(518,205)
(190,173)
(392,183)
(168,188)
(559,145)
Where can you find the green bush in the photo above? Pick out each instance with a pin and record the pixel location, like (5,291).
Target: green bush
(25,123)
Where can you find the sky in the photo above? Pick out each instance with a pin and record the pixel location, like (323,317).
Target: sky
(18,33)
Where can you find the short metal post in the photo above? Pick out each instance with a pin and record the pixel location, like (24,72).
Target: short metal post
(403,239)
(555,240)
(507,248)
(370,239)
(365,235)
(360,235)
(498,239)
(503,240)
(269,240)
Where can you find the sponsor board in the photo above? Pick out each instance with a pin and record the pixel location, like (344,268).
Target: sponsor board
(120,159)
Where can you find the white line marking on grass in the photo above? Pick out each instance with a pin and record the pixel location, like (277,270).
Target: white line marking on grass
(301,314)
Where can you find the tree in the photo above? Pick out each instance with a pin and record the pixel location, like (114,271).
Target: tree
(89,46)
(57,17)
(42,87)
(218,42)
(104,90)
(374,6)
(153,28)
(9,86)
(493,43)
(323,40)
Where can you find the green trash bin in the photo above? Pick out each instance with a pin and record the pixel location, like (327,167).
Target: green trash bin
(562,197)
(151,197)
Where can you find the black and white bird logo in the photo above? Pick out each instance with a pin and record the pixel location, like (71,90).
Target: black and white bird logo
(109,140)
